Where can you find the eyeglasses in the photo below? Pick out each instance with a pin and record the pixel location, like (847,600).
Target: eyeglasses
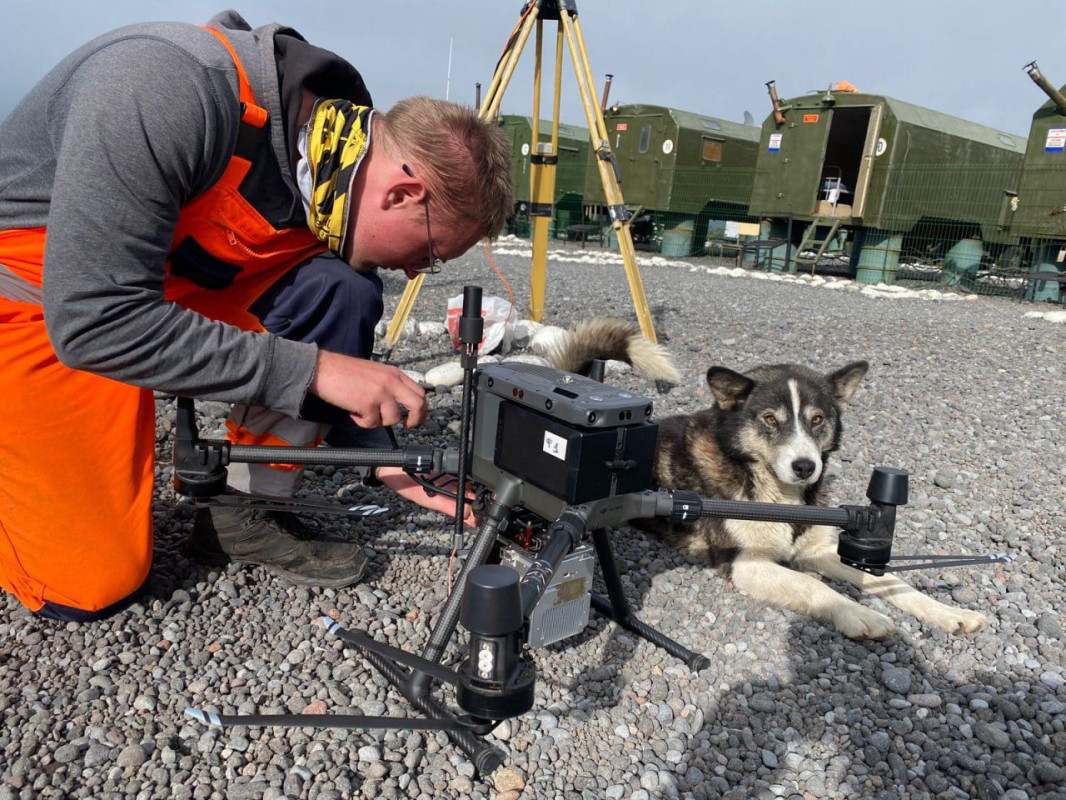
(433,263)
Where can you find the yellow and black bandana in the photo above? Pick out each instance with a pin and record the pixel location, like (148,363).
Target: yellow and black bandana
(338,135)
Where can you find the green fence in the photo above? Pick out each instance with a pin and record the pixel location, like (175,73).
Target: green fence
(964,228)
(949,227)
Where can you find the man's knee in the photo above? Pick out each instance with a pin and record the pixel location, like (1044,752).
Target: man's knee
(64,613)
(327,302)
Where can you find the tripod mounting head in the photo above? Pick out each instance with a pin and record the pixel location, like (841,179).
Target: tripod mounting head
(549,9)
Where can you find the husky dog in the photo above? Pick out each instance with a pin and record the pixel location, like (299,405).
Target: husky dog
(766,439)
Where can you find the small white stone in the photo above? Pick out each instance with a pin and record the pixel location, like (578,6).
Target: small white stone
(432,330)
(369,753)
(547,339)
(448,374)
(524,330)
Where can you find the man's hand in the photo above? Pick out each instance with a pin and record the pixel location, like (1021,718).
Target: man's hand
(371,392)
(400,482)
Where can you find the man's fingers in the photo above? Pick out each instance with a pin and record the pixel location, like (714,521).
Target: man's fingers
(371,392)
(368,419)
(411,382)
(390,412)
(415,401)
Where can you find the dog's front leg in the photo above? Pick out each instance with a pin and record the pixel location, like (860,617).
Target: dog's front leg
(817,550)
(787,588)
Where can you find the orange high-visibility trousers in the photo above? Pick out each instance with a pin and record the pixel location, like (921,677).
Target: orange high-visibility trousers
(76,454)
(77,449)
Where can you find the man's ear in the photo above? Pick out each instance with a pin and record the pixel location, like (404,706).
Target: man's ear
(402,190)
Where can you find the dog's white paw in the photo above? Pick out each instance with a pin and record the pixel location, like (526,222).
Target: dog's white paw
(859,622)
(955,620)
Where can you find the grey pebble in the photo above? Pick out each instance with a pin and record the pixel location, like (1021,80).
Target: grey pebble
(370,752)
(131,756)
(898,679)
(992,735)
(1053,680)
(66,753)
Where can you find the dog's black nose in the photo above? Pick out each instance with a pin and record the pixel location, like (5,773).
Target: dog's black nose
(803,467)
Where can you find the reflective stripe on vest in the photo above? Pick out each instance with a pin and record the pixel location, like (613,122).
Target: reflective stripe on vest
(12,287)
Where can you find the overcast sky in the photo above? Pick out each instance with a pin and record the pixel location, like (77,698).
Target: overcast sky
(962,58)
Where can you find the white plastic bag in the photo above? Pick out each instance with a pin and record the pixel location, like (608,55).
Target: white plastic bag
(501,320)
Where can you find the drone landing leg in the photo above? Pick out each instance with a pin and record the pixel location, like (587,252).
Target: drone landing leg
(618,607)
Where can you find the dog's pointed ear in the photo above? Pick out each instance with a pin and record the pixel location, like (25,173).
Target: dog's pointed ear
(847,379)
(728,387)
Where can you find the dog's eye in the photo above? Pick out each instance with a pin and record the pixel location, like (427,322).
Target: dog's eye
(817,420)
(769,419)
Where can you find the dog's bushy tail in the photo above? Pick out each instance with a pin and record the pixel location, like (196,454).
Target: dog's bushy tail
(612,339)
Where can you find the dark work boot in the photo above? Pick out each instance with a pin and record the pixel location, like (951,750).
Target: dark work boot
(222,534)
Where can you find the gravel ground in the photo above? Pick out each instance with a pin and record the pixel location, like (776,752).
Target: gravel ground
(966,394)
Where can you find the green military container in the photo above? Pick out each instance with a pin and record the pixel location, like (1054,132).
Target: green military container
(569,172)
(1039,214)
(888,175)
(687,168)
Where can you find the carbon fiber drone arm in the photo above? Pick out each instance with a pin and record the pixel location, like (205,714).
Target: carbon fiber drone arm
(200,464)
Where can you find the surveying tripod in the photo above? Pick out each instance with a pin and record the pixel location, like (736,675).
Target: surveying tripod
(544,157)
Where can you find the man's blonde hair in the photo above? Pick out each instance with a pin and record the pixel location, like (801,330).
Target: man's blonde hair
(464,160)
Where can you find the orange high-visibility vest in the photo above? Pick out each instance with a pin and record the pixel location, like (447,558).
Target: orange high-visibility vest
(78,449)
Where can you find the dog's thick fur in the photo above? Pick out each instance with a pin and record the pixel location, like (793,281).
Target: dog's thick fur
(612,339)
(765,439)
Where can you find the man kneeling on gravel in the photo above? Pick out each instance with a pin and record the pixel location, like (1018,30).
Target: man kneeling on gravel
(201,211)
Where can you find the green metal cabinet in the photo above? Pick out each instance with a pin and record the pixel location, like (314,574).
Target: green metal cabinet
(573,156)
(896,163)
(1041,202)
(678,162)
(1037,213)
(890,174)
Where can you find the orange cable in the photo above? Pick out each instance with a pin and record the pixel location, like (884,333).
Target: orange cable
(510,293)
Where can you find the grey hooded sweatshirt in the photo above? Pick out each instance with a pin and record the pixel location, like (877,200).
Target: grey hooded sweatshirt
(106,150)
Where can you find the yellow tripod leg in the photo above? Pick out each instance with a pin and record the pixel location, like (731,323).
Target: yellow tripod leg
(541,186)
(543,162)
(403,311)
(488,109)
(636,285)
(612,192)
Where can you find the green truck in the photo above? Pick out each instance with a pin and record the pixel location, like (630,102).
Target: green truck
(884,177)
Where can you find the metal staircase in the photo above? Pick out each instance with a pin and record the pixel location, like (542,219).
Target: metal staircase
(812,243)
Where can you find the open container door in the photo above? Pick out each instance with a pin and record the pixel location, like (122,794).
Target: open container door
(869,153)
(847,162)
(800,153)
